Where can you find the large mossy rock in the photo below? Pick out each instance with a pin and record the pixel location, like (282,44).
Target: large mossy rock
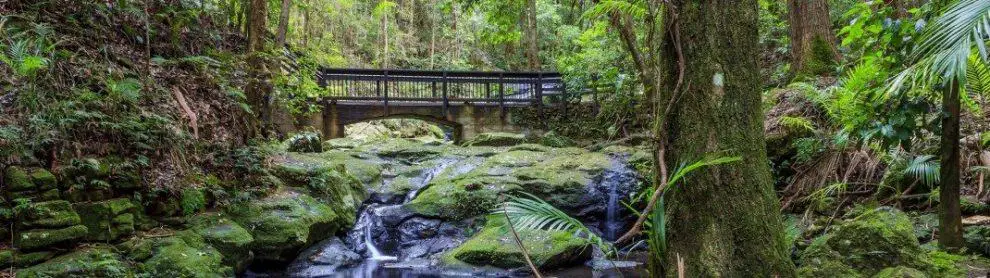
(873,241)
(496,139)
(184,254)
(561,176)
(329,180)
(95,261)
(297,168)
(495,246)
(107,220)
(285,222)
(228,237)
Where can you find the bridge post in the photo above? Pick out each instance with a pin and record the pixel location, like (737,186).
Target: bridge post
(331,121)
(446,101)
(539,94)
(386,93)
(501,96)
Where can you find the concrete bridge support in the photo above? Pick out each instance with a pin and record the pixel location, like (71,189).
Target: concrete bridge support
(465,119)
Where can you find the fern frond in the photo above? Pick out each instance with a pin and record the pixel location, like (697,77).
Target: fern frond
(924,168)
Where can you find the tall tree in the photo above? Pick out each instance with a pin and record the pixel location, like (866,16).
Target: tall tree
(725,220)
(813,49)
(532,34)
(256,25)
(257,89)
(283,23)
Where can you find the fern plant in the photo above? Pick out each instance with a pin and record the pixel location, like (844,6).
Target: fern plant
(925,169)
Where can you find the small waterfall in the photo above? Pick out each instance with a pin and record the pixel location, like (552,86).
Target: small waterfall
(372,250)
(612,183)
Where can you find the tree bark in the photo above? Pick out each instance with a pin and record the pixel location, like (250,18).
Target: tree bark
(813,49)
(950,215)
(724,220)
(257,22)
(283,23)
(533,49)
(257,87)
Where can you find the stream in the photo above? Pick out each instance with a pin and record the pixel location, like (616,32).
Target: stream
(388,240)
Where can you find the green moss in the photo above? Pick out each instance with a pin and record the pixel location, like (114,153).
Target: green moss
(828,269)
(496,139)
(96,261)
(192,201)
(50,214)
(552,139)
(970,206)
(17,179)
(942,264)
(43,238)
(285,222)
(878,239)
(495,246)
(10,257)
(43,179)
(900,272)
(530,147)
(184,255)
(228,237)
(107,220)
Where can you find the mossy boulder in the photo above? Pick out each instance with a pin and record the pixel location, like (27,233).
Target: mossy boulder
(327,181)
(35,184)
(95,261)
(552,139)
(228,237)
(17,179)
(561,176)
(184,254)
(405,149)
(495,246)
(285,222)
(496,139)
(873,241)
(107,220)
(297,168)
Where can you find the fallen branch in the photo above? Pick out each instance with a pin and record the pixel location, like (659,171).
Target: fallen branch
(522,248)
(193,119)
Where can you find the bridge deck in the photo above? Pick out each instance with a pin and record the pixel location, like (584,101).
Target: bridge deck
(446,87)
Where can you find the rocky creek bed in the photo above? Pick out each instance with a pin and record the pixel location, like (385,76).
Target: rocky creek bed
(400,208)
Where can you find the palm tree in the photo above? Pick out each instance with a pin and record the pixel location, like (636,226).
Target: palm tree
(941,62)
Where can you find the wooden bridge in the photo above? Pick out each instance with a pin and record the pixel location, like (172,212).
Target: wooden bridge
(469,102)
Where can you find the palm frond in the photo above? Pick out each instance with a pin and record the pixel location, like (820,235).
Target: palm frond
(924,168)
(685,169)
(532,213)
(946,45)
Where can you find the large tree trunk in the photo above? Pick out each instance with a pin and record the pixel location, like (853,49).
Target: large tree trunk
(533,50)
(950,216)
(813,49)
(257,22)
(283,24)
(257,87)
(724,220)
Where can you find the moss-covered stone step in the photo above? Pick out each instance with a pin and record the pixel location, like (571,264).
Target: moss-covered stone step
(36,184)
(10,257)
(36,239)
(107,220)
(495,246)
(50,214)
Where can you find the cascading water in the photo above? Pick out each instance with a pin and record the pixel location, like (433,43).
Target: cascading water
(615,182)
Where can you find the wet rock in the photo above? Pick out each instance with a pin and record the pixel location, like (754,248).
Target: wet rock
(285,222)
(495,246)
(418,228)
(107,220)
(324,257)
(228,237)
(96,261)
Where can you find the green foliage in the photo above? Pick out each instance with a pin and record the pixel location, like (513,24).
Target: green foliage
(925,169)
(531,212)
(192,201)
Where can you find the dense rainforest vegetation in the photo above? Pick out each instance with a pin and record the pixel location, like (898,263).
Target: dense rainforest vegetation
(696,138)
